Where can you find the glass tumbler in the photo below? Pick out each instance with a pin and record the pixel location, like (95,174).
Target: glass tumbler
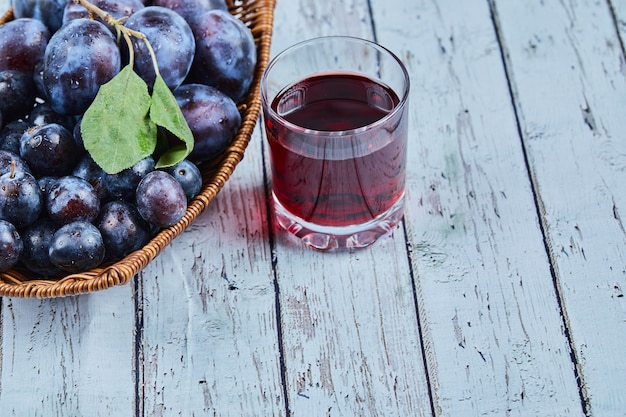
(335,112)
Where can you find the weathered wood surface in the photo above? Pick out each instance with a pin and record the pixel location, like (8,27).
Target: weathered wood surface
(476,246)
(569,81)
(500,295)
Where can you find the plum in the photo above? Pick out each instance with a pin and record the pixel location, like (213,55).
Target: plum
(50,12)
(123,230)
(80,57)
(190,10)
(212,117)
(11,245)
(22,44)
(17,94)
(20,198)
(37,239)
(49,149)
(161,200)
(172,41)
(225,55)
(116,8)
(77,247)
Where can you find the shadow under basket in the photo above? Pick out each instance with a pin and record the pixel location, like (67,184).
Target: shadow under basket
(258,15)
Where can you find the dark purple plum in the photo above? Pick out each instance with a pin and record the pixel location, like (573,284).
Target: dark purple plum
(11,134)
(37,239)
(172,40)
(21,201)
(188,176)
(49,150)
(116,8)
(22,44)
(225,55)
(11,161)
(80,57)
(212,117)
(11,246)
(161,200)
(91,172)
(124,184)
(45,183)
(190,10)
(43,114)
(77,247)
(17,94)
(50,12)
(123,229)
(72,199)
(73,11)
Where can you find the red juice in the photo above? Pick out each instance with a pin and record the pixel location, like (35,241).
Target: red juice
(339,161)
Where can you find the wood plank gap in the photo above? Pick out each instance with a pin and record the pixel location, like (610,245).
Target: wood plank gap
(616,25)
(272,244)
(539,207)
(413,275)
(372,22)
(138,348)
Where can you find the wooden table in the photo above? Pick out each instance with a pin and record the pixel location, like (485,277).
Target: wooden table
(501,294)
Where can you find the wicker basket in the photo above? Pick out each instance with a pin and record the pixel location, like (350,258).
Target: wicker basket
(258,15)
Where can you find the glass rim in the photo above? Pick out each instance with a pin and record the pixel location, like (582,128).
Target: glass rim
(403,97)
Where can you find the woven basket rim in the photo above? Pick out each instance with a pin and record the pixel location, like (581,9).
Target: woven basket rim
(258,15)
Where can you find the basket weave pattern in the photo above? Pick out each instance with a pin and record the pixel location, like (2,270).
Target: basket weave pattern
(258,15)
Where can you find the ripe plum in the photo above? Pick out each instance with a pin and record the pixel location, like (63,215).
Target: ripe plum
(212,117)
(10,161)
(80,57)
(17,94)
(189,177)
(49,150)
(72,199)
(43,113)
(11,134)
(172,40)
(77,247)
(161,200)
(50,12)
(45,183)
(123,229)
(192,9)
(21,201)
(11,246)
(37,239)
(22,44)
(123,184)
(116,8)
(91,172)
(225,55)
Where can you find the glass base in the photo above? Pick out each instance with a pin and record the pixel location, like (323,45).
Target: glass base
(326,238)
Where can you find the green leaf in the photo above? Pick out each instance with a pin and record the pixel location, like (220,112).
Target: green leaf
(166,113)
(116,129)
(172,156)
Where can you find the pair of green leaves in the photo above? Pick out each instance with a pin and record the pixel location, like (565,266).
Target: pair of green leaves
(120,128)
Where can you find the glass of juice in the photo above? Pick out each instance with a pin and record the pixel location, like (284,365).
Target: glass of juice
(335,111)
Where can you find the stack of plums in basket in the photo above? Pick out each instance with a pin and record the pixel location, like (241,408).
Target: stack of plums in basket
(61,211)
